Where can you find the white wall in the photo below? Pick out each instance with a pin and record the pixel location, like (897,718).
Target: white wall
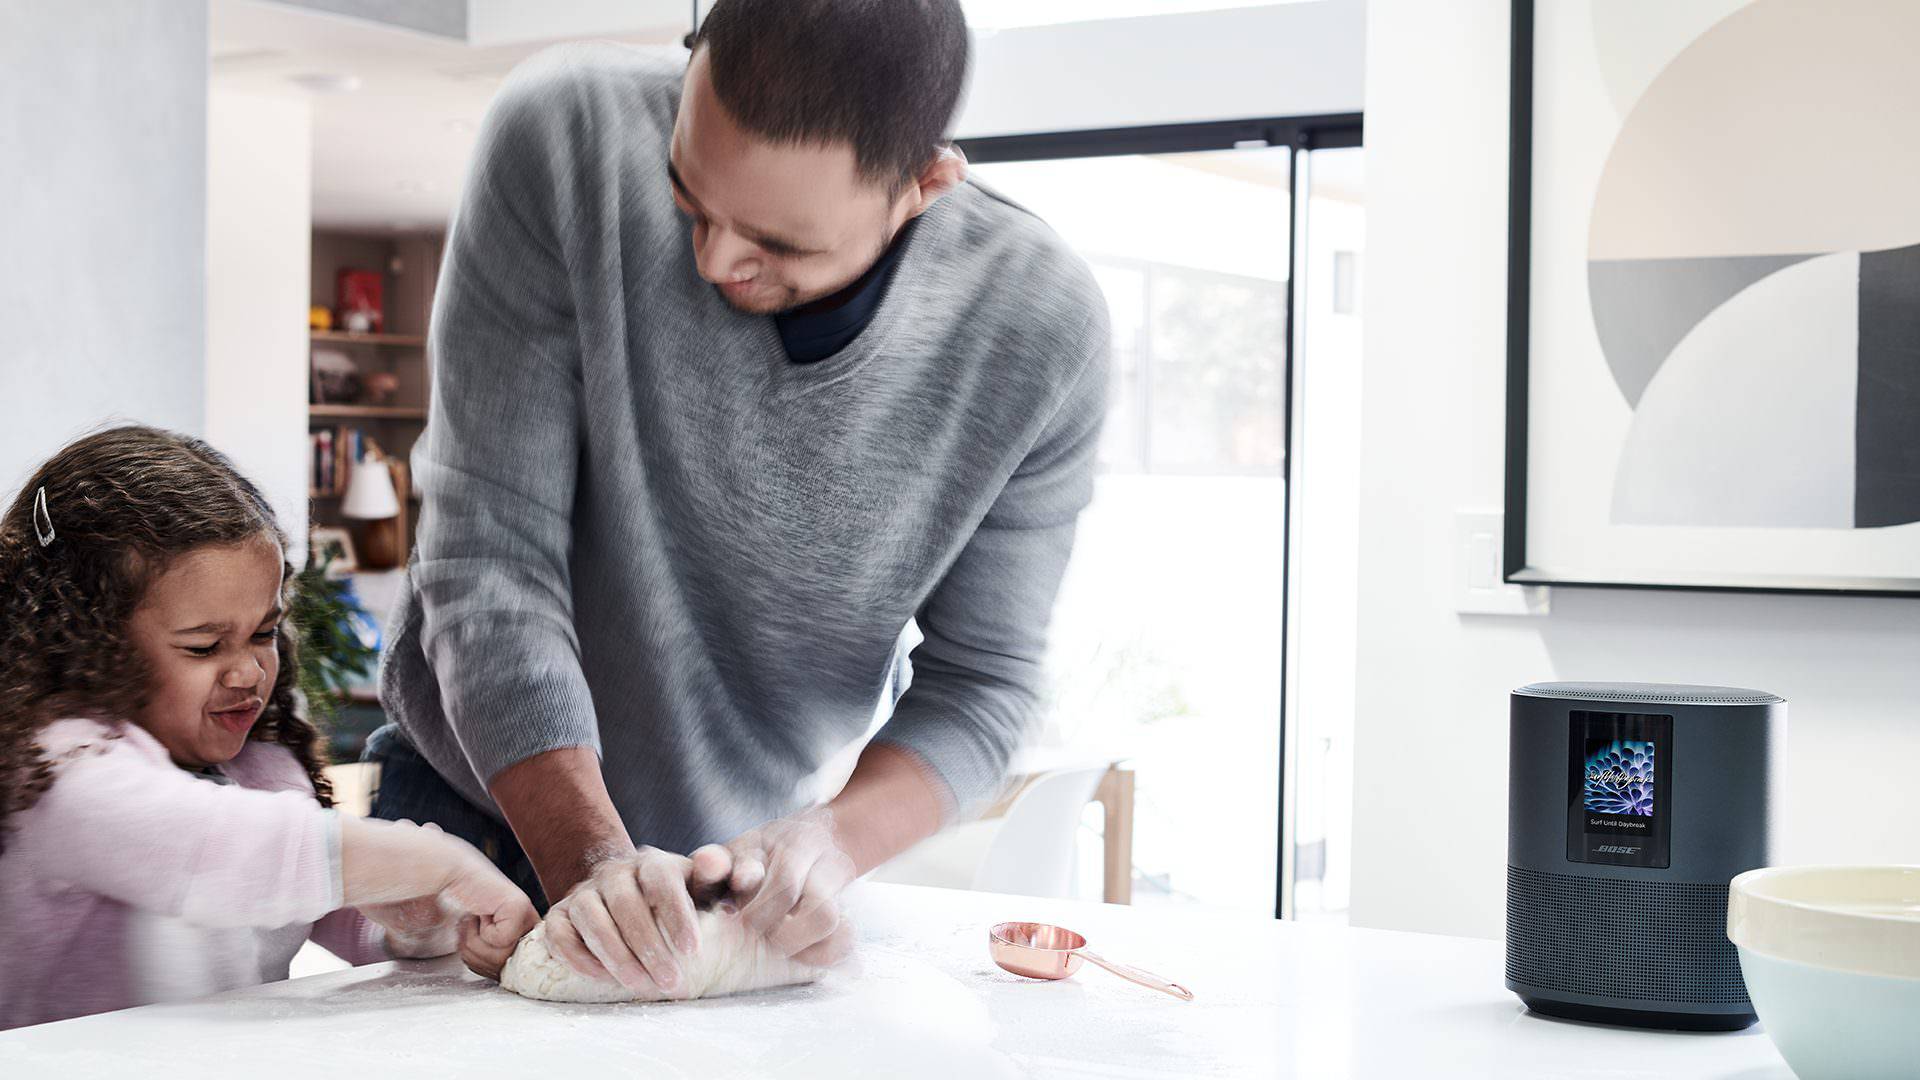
(102,192)
(1285,60)
(1430,769)
(258,235)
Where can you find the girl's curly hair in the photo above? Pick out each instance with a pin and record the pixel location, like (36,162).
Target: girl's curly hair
(123,503)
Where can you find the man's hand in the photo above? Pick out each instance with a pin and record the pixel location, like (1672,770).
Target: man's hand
(786,876)
(628,915)
(631,920)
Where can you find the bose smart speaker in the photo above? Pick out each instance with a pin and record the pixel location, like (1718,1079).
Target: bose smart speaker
(1631,806)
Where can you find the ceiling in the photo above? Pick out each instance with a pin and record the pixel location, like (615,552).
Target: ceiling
(396,110)
(389,154)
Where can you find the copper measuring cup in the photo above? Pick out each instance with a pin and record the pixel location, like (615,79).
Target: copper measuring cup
(1039,951)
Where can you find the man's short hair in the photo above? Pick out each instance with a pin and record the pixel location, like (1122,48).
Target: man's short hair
(883,76)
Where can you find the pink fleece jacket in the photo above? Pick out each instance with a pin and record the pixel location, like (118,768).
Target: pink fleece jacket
(131,881)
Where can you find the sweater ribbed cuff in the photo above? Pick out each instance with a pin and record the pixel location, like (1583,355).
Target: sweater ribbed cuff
(503,729)
(513,690)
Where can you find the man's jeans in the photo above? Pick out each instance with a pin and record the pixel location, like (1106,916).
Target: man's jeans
(410,789)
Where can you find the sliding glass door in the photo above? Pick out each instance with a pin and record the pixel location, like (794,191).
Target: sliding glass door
(1170,637)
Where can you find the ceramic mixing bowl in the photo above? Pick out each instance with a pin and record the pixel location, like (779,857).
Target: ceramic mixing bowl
(1831,956)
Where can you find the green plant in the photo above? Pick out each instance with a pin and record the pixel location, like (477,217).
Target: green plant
(332,654)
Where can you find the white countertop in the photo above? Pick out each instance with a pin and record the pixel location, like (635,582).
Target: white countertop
(1271,999)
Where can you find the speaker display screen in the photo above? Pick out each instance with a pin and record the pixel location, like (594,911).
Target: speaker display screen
(1618,787)
(1619,780)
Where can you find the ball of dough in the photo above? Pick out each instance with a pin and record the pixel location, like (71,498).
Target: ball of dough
(731,959)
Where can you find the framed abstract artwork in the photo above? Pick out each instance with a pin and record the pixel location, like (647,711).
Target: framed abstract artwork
(1714,295)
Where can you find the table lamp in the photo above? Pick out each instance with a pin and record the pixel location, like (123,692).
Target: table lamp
(372,500)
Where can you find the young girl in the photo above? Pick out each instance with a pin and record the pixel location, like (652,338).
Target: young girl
(164,830)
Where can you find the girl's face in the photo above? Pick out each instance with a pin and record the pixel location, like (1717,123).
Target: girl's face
(208,630)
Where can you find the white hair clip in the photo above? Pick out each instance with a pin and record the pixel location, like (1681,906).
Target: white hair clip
(42,521)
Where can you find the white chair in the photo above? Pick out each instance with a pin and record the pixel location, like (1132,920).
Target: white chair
(1031,850)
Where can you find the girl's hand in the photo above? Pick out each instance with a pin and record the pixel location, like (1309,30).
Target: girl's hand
(417,883)
(420,927)
(486,945)
(492,913)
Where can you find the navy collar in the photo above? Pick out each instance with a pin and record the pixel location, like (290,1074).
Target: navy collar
(824,327)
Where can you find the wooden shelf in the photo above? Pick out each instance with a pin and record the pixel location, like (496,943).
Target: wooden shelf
(366,412)
(399,341)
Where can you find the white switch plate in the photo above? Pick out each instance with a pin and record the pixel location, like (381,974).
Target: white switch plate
(1478,548)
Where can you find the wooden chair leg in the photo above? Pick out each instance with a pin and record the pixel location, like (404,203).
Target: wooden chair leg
(1115,795)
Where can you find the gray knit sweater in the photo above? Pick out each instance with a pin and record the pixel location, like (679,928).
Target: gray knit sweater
(646,531)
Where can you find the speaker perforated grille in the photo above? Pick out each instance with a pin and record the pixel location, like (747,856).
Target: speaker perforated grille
(1636,940)
(1652,693)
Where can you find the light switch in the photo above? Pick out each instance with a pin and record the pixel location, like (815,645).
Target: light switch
(1478,545)
(1483,571)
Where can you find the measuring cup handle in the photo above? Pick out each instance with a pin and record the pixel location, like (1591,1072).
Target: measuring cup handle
(1136,975)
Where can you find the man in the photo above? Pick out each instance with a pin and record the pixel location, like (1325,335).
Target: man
(680,510)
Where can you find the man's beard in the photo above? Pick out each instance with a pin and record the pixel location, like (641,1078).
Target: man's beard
(793,301)
(781,306)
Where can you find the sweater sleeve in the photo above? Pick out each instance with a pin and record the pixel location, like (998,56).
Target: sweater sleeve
(977,673)
(149,835)
(499,458)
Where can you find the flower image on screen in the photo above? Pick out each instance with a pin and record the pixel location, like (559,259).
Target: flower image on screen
(1620,777)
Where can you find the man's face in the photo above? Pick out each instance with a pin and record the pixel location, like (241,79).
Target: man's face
(774,227)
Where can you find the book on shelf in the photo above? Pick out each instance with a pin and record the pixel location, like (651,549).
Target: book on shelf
(334,450)
(320,461)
